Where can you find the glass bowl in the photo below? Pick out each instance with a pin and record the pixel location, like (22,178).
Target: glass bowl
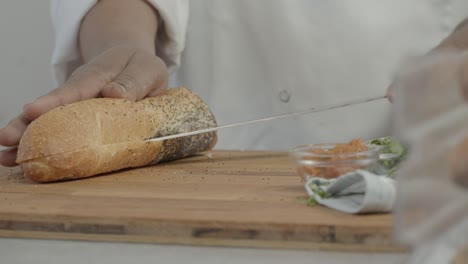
(316,160)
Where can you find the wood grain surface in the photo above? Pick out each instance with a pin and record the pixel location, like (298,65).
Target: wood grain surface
(242,199)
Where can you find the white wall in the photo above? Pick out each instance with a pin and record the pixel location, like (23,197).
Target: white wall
(26,43)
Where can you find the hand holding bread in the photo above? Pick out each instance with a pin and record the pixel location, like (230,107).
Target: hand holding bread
(119,72)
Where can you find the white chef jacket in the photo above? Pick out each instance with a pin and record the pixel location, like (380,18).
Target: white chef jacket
(256,58)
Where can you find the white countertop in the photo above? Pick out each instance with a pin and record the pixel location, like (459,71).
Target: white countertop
(22,251)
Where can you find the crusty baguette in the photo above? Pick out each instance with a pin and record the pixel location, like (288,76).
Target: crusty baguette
(103,135)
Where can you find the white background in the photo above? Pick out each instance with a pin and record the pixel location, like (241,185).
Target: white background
(26,43)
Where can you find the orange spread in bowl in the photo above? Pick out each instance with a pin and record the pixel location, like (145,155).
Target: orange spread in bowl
(336,161)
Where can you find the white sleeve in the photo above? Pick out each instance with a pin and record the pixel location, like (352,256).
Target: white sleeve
(170,42)
(66,21)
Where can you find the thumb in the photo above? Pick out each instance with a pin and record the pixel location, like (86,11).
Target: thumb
(458,163)
(390,91)
(143,76)
(464,77)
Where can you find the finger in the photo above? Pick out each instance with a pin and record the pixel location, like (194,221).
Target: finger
(389,93)
(458,162)
(464,78)
(144,75)
(12,133)
(84,83)
(8,157)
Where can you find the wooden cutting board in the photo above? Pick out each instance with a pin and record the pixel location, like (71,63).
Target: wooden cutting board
(246,199)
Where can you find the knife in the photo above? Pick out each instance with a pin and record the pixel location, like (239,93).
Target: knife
(271,118)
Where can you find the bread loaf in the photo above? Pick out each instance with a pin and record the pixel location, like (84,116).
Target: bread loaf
(103,135)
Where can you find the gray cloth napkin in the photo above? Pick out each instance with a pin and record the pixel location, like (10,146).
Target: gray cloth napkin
(357,192)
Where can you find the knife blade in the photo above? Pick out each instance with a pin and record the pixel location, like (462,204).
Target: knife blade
(271,118)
